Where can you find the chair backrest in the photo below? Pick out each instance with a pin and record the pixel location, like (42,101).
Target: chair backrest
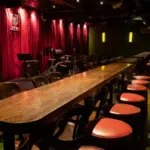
(39,81)
(54,76)
(79,116)
(8,89)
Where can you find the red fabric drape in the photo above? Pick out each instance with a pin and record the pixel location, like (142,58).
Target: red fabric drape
(34,36)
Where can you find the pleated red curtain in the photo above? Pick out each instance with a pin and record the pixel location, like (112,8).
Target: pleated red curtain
(33,37)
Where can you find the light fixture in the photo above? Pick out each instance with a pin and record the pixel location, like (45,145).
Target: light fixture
(103,37)
(101,2)
(54,6)
(78,1)
(144,22)
(130,37)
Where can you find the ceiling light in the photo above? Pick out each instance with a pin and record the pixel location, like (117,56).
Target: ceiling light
(101,2)
(144,22)
(78,1)
(54,6)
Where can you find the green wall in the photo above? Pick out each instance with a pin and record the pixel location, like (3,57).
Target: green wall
(117,40)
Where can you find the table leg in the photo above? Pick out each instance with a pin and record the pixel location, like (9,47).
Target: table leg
(9,141)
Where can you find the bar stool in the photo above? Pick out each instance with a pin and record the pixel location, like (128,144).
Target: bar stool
(125,112)
(110,134)
(136,100)
(142,77)
(138,89)
(141,82)
(129,114)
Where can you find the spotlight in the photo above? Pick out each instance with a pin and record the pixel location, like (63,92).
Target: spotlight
(144,22)
(101,2)
(78,1)
(54,6)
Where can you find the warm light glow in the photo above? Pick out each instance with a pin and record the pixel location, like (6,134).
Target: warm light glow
(102,68)
(85,26)
(54,6)
(71,24)
(101,2)
(130,37)
(33,16)
(8,12)
(84,74)
(78,25)
(103,37)
(21,11)
(78,1)
(60,21)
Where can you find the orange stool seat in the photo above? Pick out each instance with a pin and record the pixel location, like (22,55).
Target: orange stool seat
(124,109)
(136,87)
(108,128)
(142,82)
(142,77)
(130,97)
(90,148)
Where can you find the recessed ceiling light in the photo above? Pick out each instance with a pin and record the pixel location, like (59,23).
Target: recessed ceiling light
(54,6)
(78,1)
(101,2)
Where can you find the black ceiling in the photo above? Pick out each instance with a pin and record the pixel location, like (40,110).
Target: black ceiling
(86,9)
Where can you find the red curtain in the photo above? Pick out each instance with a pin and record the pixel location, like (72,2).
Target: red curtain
(34,36)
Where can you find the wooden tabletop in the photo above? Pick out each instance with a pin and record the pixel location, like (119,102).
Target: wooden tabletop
(134,59)
(144,54)
(128,60)
(35,104)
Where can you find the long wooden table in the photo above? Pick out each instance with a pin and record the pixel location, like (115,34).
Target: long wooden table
(53,99)
(144,54)
(135,58)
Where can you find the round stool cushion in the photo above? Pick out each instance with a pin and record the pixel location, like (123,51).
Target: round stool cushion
(142,82)
(124,109)
(142,77)
(89,148)
(136,87)
(130,97)
(108,128)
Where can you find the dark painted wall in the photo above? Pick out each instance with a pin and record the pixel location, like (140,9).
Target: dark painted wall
(117,35)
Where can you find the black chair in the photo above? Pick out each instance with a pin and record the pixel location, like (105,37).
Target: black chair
(39,81)
(78,116)
(8,89)
(54,76)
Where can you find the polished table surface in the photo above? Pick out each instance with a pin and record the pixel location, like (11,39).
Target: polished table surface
(134,59)
(144,54)
(35,104)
